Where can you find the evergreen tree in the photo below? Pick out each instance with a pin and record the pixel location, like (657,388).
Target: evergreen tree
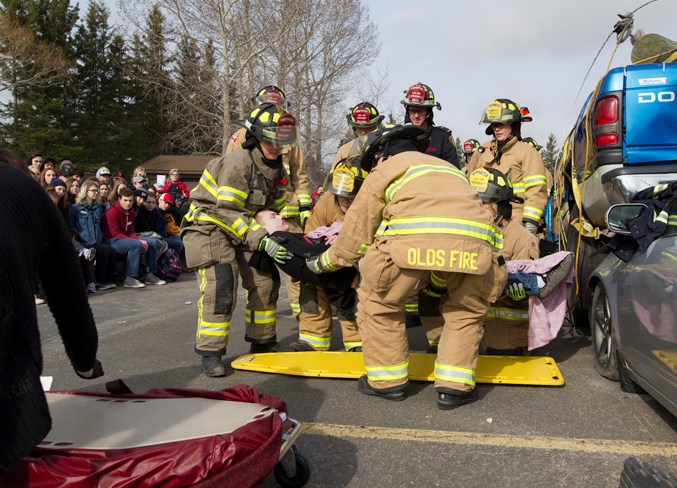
(36,117)
(149,70)
(459,151)
(105,124)
(551,154)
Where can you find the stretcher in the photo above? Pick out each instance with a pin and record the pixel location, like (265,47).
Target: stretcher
(170,438)
(506,370)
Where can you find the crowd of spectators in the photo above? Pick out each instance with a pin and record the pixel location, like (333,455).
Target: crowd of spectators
(111,221)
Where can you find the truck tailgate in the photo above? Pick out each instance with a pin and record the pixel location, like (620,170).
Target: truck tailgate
(650,113)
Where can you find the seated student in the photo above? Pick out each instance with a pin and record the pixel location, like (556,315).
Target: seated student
(150,219)
(336,285)
(140,195)
(84,222)
(114,194)
(104,191)
(171,217)
(175,186)
(46,177)
(118,231)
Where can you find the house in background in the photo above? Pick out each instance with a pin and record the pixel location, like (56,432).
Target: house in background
(190,167)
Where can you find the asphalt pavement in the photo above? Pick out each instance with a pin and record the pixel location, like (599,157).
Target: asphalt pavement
(576,435)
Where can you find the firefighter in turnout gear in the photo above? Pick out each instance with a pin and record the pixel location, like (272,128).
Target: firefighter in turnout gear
(469,148)
(297,208)
(415,214)
(419,101)
(519,161)
(221,237)
(315,324)
(507,323)
(363,118)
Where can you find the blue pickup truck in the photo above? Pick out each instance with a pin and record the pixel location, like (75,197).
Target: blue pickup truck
(624,141)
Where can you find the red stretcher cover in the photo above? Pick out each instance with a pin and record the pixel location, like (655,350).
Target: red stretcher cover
(164,437)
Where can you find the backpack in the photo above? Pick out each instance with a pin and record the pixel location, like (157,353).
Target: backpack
(169,266)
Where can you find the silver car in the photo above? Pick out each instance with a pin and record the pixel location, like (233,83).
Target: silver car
(634,310)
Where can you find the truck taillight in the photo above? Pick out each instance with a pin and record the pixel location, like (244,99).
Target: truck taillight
(606,140)
(606,121)
(606,111)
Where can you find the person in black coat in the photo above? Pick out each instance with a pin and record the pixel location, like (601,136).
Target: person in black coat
(34,243)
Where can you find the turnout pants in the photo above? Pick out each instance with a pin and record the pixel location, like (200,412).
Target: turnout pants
(315,324)
(507,325)
(218,264)
(381,298)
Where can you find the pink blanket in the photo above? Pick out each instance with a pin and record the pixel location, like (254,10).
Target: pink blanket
(545,315)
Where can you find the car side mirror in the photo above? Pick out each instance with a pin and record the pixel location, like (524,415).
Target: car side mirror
(618,216)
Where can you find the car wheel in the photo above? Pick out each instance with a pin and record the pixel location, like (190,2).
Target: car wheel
(603,335)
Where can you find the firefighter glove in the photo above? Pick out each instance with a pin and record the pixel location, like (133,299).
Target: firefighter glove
(97,371)
(303,216)
(517,292)
(315,265)
(274,250)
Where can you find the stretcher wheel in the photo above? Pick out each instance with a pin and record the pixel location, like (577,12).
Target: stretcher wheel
(298,478)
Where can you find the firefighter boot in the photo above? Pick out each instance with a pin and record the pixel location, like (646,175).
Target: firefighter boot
(395,393)
(268,347)
(298,346)
(515,351)
(448,399)
(213,366)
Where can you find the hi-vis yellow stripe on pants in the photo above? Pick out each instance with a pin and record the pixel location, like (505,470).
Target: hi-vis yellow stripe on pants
(508,314)
(455,374)
(257,317)
(318,343)
(388,373)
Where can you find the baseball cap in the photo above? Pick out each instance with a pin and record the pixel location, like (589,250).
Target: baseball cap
(167,198)
(141,192)
(104,171)
(139,179)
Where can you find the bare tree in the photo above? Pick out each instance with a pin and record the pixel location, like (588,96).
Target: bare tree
(27,61)
(309,48)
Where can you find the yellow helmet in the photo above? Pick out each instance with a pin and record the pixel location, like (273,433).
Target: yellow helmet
(272,124)
(504,111)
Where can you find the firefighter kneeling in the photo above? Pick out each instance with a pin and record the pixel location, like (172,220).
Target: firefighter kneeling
(415,201)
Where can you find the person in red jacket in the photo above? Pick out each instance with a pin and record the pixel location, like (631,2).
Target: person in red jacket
(175,185)
(118,231)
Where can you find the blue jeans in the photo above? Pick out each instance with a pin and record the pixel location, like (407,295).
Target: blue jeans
(527,279)
(132,248)
(175,242)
